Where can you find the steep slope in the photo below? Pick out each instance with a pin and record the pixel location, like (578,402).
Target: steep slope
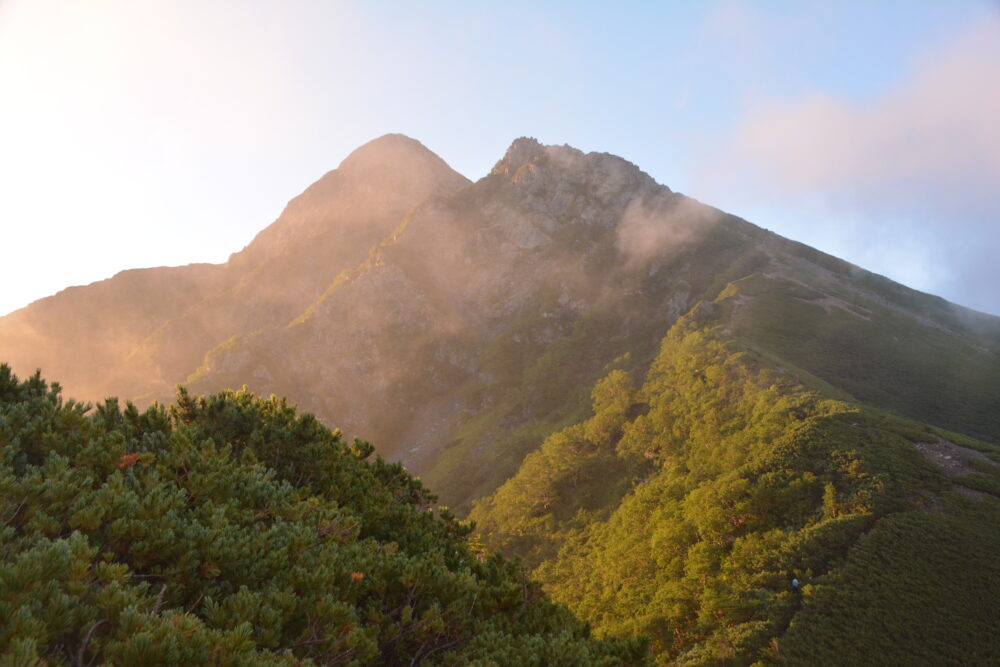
(475,329)
(683,510)
(144,331)
(479,320)
(86,333)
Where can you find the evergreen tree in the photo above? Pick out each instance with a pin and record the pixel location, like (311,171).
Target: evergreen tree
(229,529)
(683,511)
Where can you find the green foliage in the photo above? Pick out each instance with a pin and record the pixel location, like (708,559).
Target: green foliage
(986,479)
(230,530)
(574,473)
(537,389)
(919,589)
(713,486)
(881,356)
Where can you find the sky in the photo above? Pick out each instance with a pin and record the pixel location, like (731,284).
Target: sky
(140,133)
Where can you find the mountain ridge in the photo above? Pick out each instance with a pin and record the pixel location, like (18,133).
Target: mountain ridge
(670,413)
(455,291)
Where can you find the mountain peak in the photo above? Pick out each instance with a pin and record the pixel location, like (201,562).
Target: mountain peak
(391,151)
(388,173)
(532,165)
(522,151)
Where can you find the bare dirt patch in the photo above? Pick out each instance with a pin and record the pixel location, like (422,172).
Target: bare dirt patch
(738,302)
(828,303)
(954,460)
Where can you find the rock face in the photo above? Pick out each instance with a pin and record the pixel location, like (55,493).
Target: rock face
(453,324)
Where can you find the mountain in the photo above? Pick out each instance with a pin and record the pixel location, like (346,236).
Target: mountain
(143,331)
(457,324)
(668,412)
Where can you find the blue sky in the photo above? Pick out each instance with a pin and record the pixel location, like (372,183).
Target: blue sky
(157,133)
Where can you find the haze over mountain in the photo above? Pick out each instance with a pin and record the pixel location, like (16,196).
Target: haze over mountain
(148,329)
(402,303)
(573,351)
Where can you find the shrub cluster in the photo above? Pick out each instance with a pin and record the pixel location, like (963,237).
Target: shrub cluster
(229,529)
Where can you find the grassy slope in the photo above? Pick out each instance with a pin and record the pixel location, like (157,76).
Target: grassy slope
(847,333)
(877,354)
(535,389)
(740,481)
(919,589)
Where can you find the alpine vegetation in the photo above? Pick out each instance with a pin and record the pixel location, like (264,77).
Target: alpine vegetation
(697,436)
(230,529)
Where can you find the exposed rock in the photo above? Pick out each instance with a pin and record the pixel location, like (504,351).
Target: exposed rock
(952,459)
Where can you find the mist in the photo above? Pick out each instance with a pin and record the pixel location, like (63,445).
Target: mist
(656,229)
(903,183)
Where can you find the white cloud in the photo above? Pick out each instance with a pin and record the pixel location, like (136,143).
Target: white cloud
(920,162)
(938,129)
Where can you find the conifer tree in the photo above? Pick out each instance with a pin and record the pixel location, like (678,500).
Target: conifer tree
(229,529)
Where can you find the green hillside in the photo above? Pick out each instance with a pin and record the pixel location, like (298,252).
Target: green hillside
(884,345)
(839,329)
(681,511)
(230,530)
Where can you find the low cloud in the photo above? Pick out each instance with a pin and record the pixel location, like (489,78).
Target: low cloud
(921,162)
(653,229)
